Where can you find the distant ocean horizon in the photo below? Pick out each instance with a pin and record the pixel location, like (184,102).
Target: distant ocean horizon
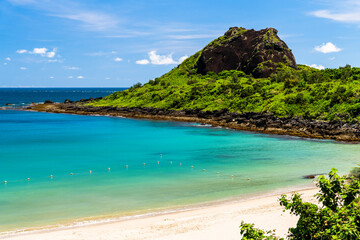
(60,168)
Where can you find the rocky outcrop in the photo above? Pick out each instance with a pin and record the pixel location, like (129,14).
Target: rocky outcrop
(253,52)
(263,122)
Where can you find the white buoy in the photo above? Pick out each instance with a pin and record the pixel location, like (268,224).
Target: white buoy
(109,169)
(90,171)
(51,176)
(5,182)
(28,179)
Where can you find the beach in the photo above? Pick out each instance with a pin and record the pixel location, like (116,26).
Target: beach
(215,221)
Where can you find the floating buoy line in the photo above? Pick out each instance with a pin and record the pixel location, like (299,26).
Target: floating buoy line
(127,167)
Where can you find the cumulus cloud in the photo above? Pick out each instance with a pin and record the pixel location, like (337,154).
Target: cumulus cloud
(320,67)
(44,52)
(327,48)
(157,59)
(8,59)
(23,68)
(70,77)
(51,77)
(5,63)
(117,59)
(21,51)
(142,62)
(80,77)
(39,51)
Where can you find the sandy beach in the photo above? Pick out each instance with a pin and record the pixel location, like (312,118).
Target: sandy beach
(218,221)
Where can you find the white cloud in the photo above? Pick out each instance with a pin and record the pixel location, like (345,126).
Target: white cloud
(346,11)
(327,48)
(8,59)
(107,78)
(71,68)
(5,63)
(142,62)
(23,68)
(161,59)
(70,77)
(352,16)
(181,59)
(52,53)
(41,51)
(157,59)
(332,58)
(118,59)
(51,77)
(44,52)
(320,67)
(21,51)
(80,77)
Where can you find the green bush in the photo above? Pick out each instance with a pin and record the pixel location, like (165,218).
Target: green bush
(337,216)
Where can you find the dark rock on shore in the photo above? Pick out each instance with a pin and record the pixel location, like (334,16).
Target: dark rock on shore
(48,102)
(264,122)
(9,104)
(253,52)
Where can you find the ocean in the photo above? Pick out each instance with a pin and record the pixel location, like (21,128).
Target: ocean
(63,170)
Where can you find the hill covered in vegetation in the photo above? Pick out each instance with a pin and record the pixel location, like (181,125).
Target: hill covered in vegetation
(249,71)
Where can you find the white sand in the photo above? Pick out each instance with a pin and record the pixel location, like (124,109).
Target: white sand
(220,221)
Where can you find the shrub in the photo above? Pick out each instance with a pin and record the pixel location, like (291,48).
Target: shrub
(336,217)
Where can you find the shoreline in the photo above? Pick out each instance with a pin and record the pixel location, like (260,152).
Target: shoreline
(254,122)
(136,221)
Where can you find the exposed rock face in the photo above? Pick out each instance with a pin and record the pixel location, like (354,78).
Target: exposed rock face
(253,52)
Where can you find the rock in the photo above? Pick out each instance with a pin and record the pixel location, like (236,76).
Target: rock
(253,52)
(311,176)
(68,101)
(48,102)
(9,104)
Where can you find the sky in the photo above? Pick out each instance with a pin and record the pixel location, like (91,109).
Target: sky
(116,43)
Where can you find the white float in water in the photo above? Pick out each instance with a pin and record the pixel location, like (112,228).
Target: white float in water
(90,171)
(28,179)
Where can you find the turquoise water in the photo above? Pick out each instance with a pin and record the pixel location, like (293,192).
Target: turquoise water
(37,145)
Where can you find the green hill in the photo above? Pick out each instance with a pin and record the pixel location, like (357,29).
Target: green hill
(266,80)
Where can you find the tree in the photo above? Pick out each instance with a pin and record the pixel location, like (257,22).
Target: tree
(337,216)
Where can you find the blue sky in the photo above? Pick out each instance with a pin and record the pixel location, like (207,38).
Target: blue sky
(115,43)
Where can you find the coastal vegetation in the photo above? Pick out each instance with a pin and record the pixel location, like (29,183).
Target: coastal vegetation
(337,216)
(330,94)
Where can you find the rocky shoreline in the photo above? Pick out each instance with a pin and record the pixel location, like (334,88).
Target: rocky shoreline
(250,121)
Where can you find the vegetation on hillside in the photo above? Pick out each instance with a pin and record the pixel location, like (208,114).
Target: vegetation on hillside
(329,94)
(337,216)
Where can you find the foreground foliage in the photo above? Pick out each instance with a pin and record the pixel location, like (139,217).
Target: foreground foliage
(337,216)
(330,94)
